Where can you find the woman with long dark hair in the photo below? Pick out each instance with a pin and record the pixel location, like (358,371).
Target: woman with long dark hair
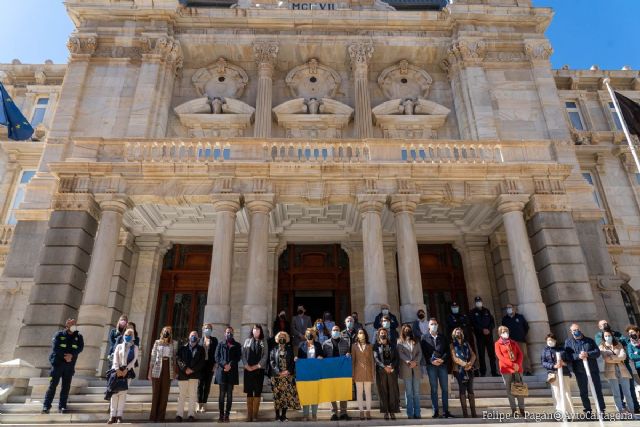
(255,356)
(385,354)
(463,359)
(410,355)
(363,371)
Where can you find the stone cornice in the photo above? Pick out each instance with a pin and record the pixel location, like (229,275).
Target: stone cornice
(547,203)
(76,202)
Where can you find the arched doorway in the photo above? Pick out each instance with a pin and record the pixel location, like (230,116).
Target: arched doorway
(442,280)
(316,276)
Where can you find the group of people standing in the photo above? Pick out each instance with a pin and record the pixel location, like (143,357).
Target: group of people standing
(420,348)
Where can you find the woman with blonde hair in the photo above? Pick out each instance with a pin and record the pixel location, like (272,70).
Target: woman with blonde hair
(510,358)
(125,356)
(322,332)
(463,359)
(283,383)
(161,372)
(309,349)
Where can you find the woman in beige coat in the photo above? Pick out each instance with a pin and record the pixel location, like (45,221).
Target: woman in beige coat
(615,371)
(363,368)
(410,355)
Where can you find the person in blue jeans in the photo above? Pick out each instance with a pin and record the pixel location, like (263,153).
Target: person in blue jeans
(410,355)
(435,350)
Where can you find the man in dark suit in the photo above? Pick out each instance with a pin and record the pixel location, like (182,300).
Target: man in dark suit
(435,350)
(190,361)
(299,325)
(228,355)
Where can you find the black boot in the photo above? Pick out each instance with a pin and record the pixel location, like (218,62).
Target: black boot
(283,417)
(472,405)
(277,414)
(463,405)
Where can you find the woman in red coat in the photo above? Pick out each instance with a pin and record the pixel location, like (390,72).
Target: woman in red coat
(510,360)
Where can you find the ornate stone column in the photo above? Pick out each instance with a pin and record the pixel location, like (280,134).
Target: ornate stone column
(530,303)
(360,54)
(411,297)
(218,308)
(93,316)
(255,304)
(265,54)
(375,284)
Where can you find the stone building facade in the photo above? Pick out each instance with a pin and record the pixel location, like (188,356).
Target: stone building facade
(212,163)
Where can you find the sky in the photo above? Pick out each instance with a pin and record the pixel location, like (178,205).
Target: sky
(582,33)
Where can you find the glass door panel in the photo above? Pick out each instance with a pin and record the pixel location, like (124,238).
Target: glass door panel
(182,310)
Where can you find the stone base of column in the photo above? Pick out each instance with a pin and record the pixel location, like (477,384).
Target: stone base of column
(409,312)
(219,316)
(93,325)
(536,315)
(252,314)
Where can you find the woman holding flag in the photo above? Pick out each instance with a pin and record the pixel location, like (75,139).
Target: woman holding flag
(310,349)
(283,384)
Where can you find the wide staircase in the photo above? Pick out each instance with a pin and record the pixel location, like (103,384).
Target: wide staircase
(87,404)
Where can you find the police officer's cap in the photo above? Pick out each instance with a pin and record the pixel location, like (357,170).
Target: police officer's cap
(478,299)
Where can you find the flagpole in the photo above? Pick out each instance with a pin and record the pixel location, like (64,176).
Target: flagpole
(607,83)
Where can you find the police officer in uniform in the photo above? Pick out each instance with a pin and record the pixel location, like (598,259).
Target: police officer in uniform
(455,319)
(483,325)
(66,345)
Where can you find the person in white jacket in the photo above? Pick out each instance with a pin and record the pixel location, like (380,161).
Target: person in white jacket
(125,356)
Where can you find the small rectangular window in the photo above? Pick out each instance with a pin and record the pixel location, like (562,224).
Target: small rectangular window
(18,197)
(638,178)
(614,116)
(596,193)
(39,111)
(574,115)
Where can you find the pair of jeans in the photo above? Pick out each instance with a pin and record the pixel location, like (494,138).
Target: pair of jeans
(439,374)
(305,410)
(226,391)
(615,384)
(412,395)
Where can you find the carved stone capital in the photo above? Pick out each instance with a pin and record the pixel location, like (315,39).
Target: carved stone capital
(371,203)
(547,203)
(169,50)
(82,45)
(400,203)
(76,202)
(259,202)
(360,53)
(506,203)
(538,50)
(227,202)
(118,203)
(468,51)
(265,53)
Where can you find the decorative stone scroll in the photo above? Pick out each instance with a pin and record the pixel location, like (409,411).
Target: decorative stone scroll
(404,80)
(220,80)
(313,80)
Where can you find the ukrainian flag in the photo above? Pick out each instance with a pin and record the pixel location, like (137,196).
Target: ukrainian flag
(323,380)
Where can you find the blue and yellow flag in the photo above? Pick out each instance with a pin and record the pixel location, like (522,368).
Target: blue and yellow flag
(19,128)
(323,380)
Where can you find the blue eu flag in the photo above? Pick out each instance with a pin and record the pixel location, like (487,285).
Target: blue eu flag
(10,116)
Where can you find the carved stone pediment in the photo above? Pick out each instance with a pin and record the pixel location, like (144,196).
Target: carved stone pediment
(410,118)
(220,80)
(313,118)
(206,117)
(313,80)
(404,80)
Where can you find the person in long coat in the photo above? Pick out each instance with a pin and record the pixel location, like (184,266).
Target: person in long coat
(228,355)
(210,345)
(410,355)
(255,357)
(283,369)
(385,354)
(363,371)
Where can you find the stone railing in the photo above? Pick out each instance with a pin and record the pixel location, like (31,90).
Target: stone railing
(611,235)
(249,150)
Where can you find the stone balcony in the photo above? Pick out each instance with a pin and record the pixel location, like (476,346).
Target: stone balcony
(251,150)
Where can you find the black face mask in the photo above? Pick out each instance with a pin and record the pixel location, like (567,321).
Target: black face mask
(420,316)
(308,337)
(282,340)
(166,335)
(633,336)
(300,311)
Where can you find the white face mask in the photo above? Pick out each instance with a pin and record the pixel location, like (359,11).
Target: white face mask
(479,304)
(505,335)
(73,328)
(509,311)
(551,343)
(433,328)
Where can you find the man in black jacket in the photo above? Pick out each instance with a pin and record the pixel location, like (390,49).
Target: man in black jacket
(190,360)
(579,349)
(209,343)
(435,350)
(228,355)
(338,345)
(483,325)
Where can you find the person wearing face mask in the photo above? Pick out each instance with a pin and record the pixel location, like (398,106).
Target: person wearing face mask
(310,349)
(328,320)
(385,356)
(350,329)
(115,334)
(483,325)
(614,355)
(228,355)
(436,353)
(391,324)
(410,354)
(283,384)
(551,363)
(190,361)
(125,356)
(255,357)
(67,344)
(579,348)
(322,332)
(281,323)
(463,358)
(420,326)
(518,329)
(300,324)
(457,319)
(356,324)
(209,343)
(363,375)
(602,326)
(510,360)
(338,345)
(633,346)
(161,373)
